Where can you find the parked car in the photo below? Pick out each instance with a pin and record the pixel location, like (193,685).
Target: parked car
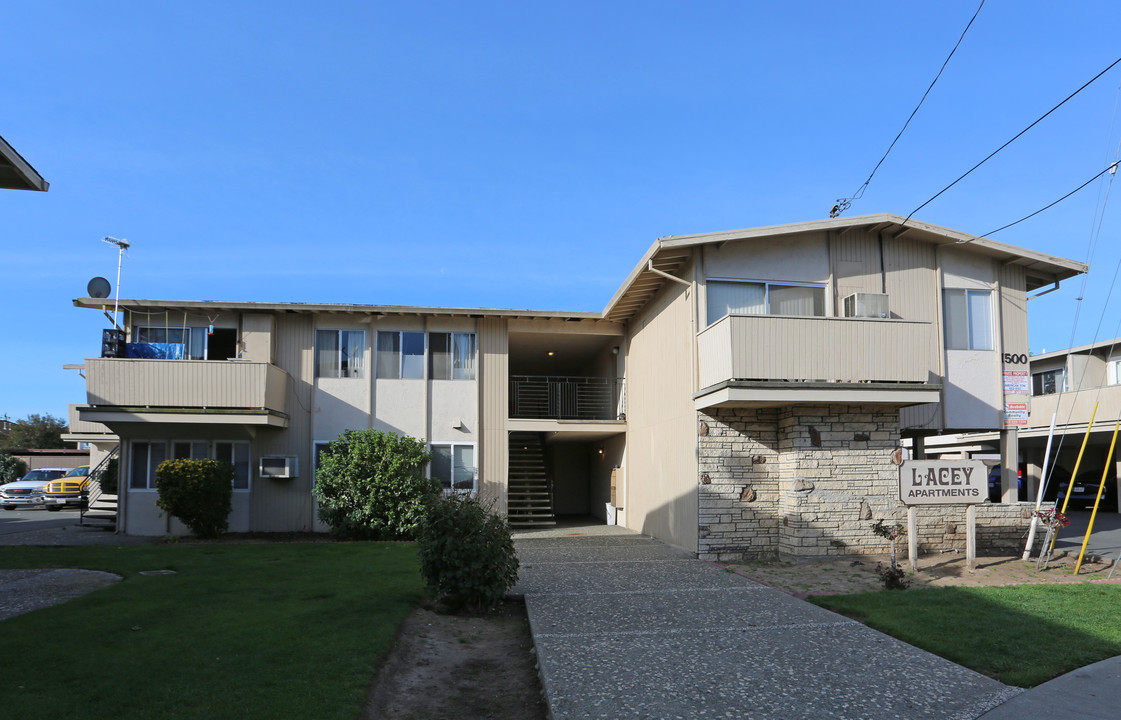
(994,484)
(1086,491)
(69,490)
(29,489)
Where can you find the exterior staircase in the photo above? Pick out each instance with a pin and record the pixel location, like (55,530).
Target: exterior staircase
(529,496)
(100,508)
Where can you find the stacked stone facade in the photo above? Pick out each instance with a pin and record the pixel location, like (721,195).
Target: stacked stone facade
(809,480)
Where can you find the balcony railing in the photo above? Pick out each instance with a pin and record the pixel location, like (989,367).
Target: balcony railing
(185,384)
(566,398)
(775,347)
(1075,407)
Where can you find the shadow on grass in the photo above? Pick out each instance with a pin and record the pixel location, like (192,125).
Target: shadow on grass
(1022,635)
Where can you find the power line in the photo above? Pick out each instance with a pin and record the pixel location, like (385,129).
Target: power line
(844,203)
(1016,137)
(1112,170)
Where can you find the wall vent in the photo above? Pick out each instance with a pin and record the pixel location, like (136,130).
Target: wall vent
(279,466)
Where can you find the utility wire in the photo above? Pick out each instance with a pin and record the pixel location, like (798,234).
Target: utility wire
(1112,170)
(844,203)
(1016,137)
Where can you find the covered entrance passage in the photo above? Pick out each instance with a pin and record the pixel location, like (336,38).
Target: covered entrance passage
(563,473)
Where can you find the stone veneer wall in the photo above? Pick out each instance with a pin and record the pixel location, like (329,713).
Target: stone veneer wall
(809,480)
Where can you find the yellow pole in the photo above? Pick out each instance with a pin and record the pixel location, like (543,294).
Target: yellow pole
(1070,484)
(1098,499)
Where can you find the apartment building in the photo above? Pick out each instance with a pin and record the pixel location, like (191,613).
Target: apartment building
(743,393)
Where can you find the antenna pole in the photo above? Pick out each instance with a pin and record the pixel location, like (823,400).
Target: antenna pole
(117,295)
(121,245)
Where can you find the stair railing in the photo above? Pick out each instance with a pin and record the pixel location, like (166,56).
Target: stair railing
(93,490)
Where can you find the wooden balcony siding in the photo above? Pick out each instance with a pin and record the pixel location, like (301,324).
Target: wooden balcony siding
(234,385)
(78,426)
(1075,408)
(781,347)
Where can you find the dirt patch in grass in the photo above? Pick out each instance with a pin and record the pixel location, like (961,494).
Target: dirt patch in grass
(845,575)
(450,667)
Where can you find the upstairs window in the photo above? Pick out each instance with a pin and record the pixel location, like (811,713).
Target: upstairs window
(192,338)
(451,356)
(400,355)
(1048,382)
(1113,372)
(338,353)
(744,297)
(968,316)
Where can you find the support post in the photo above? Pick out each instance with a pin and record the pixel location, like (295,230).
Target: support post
(1009,465)
(913,537)
(971,537)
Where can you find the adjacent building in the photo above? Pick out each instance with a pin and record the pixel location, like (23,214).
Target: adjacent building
(743,393)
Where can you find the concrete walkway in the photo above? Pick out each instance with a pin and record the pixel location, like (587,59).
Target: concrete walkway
(628,627)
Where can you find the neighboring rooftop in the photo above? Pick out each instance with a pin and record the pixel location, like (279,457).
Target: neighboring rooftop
(16,173)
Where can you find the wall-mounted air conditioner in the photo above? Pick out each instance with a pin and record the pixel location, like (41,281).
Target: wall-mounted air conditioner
(866,305)
(280,466)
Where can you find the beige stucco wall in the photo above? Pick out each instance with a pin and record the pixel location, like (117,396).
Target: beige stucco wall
(973,395)
(661,490)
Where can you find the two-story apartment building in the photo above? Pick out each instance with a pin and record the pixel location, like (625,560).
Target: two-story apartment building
(742,393)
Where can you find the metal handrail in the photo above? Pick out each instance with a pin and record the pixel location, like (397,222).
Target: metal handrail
(566,397)
(93,491)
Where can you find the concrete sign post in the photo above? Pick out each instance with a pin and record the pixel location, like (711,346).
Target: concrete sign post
(943,482)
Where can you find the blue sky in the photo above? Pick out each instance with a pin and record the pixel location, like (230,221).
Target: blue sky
(523,155)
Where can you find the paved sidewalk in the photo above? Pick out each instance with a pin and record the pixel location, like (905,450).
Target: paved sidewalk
(628,627)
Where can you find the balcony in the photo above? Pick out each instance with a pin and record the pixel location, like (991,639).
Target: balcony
(185,391)
(1073,410)
(817,359)
(539,397)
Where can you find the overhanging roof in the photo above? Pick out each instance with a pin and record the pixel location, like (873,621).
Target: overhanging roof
(670,253)
(16,173)
(326,308)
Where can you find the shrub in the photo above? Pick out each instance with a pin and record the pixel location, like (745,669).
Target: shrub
(11,468)
(198,492)
(467,556)
(371,484)
(109,477)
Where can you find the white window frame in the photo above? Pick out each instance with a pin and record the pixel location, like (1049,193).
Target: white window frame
(474,490)
(315,445)
(356,366)
(970,328)
(149,471)
(767,284)
(454,373)
(400,354)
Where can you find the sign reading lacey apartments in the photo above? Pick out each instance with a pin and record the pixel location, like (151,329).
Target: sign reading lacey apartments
(943,482)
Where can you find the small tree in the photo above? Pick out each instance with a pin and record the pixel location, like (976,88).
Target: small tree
(467,555)
(11,468)
(371,484)
(198,492)
(894,578)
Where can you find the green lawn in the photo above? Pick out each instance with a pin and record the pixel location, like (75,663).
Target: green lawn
(240,631)
(1021,635)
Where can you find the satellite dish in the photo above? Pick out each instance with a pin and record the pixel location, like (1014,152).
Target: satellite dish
(98,288)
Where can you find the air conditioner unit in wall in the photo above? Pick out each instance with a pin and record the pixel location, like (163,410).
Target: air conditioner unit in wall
(866,305)
(279,466)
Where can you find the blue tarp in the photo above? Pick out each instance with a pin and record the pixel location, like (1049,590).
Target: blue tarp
(156,351)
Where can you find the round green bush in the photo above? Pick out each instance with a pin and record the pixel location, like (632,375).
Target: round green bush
(198,492)
(371,484)
(467,555)
(11,468)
